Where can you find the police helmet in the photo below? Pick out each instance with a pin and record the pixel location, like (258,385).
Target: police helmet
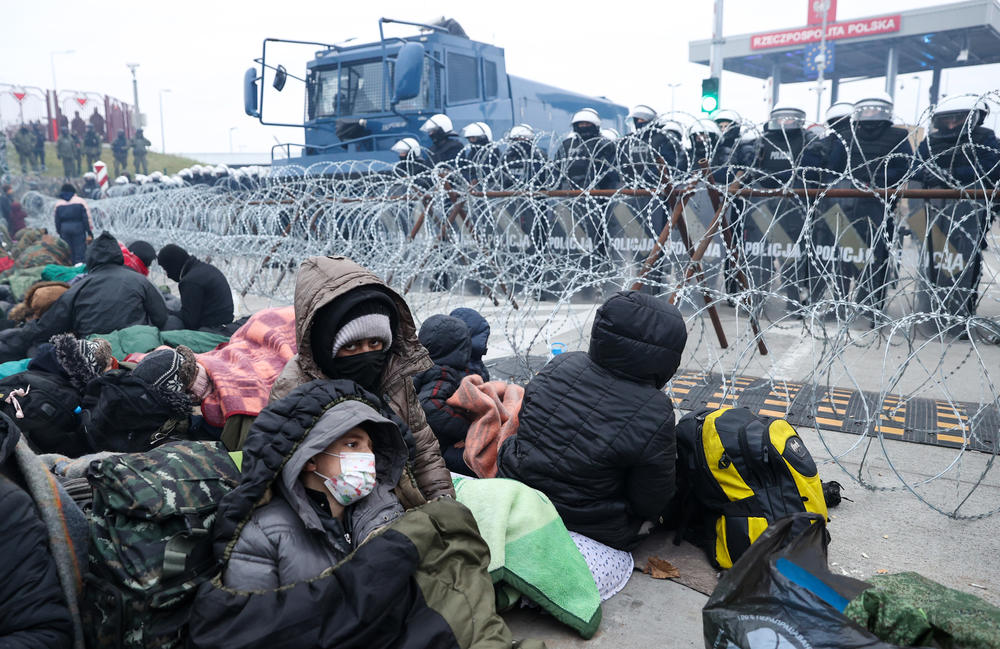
(610,134)
(588,116)
(141,179)
(121,180)
(522,132)
(877,108)
(156,176)
(671,126)
(726,115)
(478,130)
(785,117)
(435,122)
(838,111)
(705,126)
(953,113)
(407,146)
(90,175)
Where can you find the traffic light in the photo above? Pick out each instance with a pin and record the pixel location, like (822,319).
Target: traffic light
(709,94)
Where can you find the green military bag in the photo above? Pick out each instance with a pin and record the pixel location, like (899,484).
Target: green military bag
(150,546)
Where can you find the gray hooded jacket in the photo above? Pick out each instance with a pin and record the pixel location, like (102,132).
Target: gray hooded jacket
(285,541)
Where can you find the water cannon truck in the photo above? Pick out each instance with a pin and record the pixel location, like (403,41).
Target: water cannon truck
(361,98)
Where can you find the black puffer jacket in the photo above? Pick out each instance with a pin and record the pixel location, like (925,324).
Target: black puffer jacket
(109,298)
(448,343)
(33,609)
(206,298)
(596,431)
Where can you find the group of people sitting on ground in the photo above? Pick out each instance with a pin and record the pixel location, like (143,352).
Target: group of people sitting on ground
(356,438)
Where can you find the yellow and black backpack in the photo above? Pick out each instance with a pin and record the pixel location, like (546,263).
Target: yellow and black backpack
(738,473)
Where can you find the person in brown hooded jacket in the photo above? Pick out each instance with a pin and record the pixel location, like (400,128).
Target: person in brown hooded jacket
(336,302)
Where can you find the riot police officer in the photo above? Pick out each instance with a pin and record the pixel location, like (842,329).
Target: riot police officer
(523,161)
(411,163)
(958,153)
(587,160)
(773,227)
(879,156)
(478,162)
(445,146)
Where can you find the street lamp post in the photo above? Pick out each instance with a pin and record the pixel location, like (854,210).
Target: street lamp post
(55,88)
(673,86)
(135,94)
(231,129)
(163,139)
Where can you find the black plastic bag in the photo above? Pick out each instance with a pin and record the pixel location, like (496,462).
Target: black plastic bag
(780,595)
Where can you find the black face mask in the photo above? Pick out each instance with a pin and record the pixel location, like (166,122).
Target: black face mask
(871,130)
(364,369)
(587,132)
(438,136)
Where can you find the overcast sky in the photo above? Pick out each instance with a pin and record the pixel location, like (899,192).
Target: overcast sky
(199,50)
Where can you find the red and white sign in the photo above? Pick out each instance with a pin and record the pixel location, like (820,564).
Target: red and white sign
(82,101)
(834,31)
(101,170)
(816,8)
(19,96)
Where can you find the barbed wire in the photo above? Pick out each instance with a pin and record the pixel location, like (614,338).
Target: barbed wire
(878,278)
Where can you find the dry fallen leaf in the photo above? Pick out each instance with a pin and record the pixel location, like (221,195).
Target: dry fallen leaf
(658,568)
(885,536)
(881,571)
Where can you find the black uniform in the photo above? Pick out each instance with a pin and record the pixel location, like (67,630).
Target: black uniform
(880,155)
(445,148)
(956,232)
(773,227)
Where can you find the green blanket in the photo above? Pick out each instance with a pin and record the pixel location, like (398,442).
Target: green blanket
(57,273)
(910,610)
(21,280)
(531,553)
(143,338)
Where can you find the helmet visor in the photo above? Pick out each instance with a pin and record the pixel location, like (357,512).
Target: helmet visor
(787,120)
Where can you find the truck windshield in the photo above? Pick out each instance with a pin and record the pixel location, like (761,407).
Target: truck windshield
(356,88)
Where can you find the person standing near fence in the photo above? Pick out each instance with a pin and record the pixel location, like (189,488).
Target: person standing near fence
(64,148)
(24,144)
(877,155)
(119,148)
(39,133)
(91,146)
(139,146)
(73,222)
(773,228)
(959,153)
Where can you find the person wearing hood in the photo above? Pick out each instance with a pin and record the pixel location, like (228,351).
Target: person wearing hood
(445,146)
(206,298)
(306,558)
(447,341)
(73,222)
(479,336)
(110,297)
(350,325)
(596,431)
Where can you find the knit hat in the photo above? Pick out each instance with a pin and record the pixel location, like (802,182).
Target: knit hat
(172,258)
(172,370)
(82,360)
(144,251)
(202,385)
(369,319)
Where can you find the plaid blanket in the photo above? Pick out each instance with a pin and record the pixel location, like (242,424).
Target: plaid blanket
(243,370)
(493,409)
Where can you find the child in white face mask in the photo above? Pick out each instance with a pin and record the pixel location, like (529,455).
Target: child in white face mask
(333,490)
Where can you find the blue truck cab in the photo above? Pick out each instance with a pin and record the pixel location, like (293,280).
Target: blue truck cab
(361,99)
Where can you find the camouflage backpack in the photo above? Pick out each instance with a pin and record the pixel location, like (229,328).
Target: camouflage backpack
(150,546)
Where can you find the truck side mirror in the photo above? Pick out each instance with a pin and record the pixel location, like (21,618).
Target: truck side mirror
(408,71)
(250,92)
(280,77)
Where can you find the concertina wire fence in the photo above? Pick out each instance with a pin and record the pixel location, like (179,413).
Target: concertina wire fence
(826,308)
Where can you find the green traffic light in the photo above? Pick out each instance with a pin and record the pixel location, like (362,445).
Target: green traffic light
(709,94)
